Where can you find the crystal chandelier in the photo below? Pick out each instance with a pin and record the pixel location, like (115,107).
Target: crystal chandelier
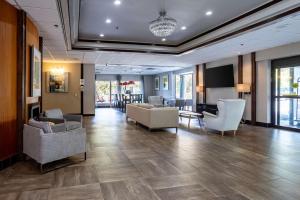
(163,26)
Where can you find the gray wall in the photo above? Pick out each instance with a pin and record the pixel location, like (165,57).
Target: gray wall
(89,89)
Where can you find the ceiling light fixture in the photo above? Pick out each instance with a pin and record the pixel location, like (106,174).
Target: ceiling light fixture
(183,28)
(163,26)
(163,39)
(108,21)
(117,2)
(101,35)
(209,13)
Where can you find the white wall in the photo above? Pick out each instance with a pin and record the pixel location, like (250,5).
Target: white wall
(89,89)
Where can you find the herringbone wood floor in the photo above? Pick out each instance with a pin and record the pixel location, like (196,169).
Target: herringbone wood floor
(125,161)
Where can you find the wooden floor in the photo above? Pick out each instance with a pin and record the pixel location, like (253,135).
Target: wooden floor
(127,162)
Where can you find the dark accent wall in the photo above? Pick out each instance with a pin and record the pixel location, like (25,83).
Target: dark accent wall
(253,88)
(240,72)
(204,86)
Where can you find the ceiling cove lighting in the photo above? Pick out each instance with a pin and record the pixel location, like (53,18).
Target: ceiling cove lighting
(117,2)
(108,21)
(209,13)
(163,26)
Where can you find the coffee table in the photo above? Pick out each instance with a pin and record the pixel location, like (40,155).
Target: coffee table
(192,115)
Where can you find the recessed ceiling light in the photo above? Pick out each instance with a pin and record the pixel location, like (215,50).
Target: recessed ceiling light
(101,35)
(183,28)
(108,21)
(208,13)
(164,39)
(117,2)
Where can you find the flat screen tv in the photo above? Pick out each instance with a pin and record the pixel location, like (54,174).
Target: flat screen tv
(218,77)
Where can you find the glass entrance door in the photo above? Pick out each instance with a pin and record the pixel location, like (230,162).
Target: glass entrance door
(286,96)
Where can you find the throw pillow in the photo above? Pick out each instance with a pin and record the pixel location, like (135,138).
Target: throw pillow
(45,126)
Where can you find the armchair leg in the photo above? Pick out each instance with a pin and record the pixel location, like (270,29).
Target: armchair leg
(84,155)
(222,132)
(176,130)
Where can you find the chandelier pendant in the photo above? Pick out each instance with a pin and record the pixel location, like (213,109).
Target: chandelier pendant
(163,26)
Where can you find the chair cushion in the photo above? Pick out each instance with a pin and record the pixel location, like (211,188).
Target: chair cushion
(58,127)
(71,125)
(54,113)
(45,126)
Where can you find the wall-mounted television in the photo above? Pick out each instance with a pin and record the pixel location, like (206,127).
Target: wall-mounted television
(218,77)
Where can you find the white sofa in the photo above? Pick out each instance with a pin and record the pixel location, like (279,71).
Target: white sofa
(153,117)
(230,113)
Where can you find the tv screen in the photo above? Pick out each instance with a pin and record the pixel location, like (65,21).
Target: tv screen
(218,77)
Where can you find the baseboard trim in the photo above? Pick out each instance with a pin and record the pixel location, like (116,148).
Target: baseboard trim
(262,124)
(86,115)
(9,161)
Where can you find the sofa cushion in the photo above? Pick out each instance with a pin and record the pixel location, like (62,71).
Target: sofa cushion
(45,126)
(71,125)
(54,113)
(61,127)
(145,105)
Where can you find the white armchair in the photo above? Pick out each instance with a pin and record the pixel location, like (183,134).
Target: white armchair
(229,115)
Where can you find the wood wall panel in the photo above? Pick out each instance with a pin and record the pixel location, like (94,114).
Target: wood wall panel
(32,39)
(8,80)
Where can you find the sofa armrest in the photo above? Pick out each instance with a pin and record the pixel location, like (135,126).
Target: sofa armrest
(207,114)
(69,117)
(32,141)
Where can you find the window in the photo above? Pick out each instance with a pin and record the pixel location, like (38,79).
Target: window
(184,86)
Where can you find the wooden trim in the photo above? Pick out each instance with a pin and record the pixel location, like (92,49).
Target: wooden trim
(88,115)
(262,124)
(21,77)
(240,72)
(81,92)
(41,44)
(197,83)
(253,88)
(204,85)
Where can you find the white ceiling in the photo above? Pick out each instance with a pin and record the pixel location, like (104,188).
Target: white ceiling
(45,15)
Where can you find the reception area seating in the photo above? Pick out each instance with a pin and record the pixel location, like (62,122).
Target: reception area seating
(153,117)
(45,146)
(228,118)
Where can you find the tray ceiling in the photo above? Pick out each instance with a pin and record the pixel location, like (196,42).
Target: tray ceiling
(130,20)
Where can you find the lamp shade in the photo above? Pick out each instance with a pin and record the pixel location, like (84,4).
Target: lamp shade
(200,88)
(243,88)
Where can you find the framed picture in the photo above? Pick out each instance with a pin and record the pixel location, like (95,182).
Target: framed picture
(165,81)
(156,83)
(57,82)
(36,72)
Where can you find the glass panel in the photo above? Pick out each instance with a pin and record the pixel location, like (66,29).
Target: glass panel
(135,88)
(288,80)
(102,93)
(289,112)
(177,86)
(188,86)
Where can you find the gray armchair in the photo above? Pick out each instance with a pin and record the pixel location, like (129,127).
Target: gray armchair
(56,116)
(48,147)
